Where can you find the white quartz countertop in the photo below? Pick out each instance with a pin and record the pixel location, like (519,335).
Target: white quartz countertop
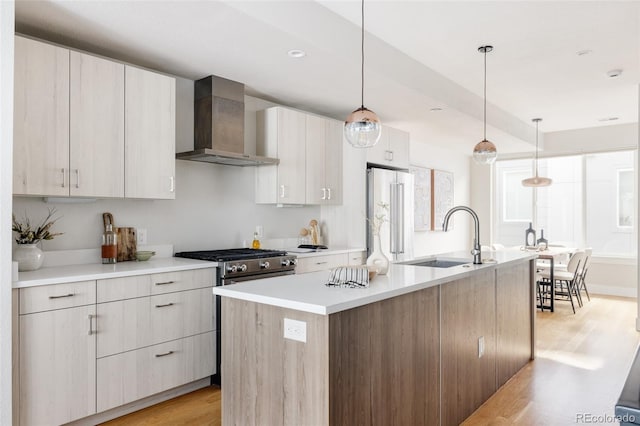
(308,292)
(97,271)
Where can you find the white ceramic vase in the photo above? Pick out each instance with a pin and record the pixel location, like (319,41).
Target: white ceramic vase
(28,256)
(377,259)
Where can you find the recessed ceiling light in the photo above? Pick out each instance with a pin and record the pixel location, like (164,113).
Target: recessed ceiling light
(614,73)
(584,52)
(608,119)
(297,53)
(436,109)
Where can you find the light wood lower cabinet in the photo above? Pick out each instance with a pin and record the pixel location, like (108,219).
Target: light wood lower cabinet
(133,375)
(57,365)
(133,323)
(328,261)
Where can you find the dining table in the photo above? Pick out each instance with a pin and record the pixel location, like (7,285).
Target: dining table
(551,254)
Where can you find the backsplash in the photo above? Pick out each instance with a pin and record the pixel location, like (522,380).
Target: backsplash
(213,209)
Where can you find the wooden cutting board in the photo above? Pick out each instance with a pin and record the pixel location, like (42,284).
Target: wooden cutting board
(126,244)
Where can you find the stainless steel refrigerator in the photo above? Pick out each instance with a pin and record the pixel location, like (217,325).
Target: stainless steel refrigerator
(394,189)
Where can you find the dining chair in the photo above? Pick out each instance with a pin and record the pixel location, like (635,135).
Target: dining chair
(565,281)
(582,283)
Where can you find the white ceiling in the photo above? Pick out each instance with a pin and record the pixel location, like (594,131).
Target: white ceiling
(419,55)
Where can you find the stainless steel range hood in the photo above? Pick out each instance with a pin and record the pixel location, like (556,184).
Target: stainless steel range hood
(219,125)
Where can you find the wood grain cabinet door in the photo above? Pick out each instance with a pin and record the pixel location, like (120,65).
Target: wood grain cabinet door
(57,366)
(96,126)
(40,119)
(150,134)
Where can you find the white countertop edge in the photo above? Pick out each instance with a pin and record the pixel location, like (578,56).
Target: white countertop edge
(98,271)
(457,273)
(324,252)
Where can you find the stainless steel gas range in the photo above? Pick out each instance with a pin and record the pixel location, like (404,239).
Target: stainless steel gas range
(242,264)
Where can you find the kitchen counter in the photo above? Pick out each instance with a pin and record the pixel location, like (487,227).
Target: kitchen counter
(303,253)
(420,345)
(308,293)
(97,271)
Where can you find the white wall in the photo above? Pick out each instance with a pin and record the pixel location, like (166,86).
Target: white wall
(7,12)
(593,139)
(461,236)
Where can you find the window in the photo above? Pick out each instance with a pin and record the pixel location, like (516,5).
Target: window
(591,202)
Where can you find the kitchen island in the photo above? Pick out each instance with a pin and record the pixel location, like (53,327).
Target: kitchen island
(419,346)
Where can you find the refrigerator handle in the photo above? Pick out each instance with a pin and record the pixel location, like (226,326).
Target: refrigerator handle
(400,217)
(393,217)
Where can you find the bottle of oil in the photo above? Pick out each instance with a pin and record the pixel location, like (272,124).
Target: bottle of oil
(256,241)
(109,245)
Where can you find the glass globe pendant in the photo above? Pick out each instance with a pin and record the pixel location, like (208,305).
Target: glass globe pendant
(362,127)
(485,151)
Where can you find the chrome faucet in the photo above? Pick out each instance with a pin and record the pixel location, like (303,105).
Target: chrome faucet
(476,252)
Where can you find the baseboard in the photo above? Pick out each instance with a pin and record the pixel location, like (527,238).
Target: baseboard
(141,403)
(608,290)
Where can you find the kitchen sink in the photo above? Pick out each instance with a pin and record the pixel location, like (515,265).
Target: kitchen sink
(440,263)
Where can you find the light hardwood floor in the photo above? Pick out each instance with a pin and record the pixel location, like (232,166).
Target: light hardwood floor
(581,365)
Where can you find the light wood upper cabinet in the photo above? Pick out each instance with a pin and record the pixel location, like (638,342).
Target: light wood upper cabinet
(150,128)
(97,127)
(324,161)
(309,148)
(391,150)
(40,119)
(79,130)
(281,133)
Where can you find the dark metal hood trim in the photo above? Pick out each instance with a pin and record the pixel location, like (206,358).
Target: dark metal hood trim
(206,155)
(218,114)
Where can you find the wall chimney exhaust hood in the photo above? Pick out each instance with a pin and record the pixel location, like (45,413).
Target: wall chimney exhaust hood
(219,125)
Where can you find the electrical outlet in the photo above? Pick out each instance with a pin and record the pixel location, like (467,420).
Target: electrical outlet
(480,346)
(141,236)
(295,330)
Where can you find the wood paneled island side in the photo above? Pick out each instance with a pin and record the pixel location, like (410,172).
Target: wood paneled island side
(420,346)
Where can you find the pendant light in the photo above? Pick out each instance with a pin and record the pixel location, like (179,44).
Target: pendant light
(362,127)
(485,151)
(536,181)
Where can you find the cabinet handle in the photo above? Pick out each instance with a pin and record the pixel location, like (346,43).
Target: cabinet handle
(164,354)
(321,263)
(165,283)
(329,192)
(62,171)
(77,178)
(91,325)
(388,155)
(166,304)
(61,296)
(282,191)
(172,184)
(324,193)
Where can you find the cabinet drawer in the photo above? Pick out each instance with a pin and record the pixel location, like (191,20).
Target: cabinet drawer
(57,296)
(357,257)
(319,263)
(145,285)
(137,374)
(134,323)
(182,280)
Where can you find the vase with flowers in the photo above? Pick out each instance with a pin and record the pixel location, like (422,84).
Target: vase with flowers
(27,253)
(377,260)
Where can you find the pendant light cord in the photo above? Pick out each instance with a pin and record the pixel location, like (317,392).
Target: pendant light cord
(537,148)
(485,94)
(362,60)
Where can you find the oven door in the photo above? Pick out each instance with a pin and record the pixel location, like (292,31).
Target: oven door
(229,281)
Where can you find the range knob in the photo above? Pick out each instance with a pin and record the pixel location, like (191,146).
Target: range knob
(265,265)
(232,268)
(242,268)
(294,261)
(286,262)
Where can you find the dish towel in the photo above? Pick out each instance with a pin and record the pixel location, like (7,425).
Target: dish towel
(349,276)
